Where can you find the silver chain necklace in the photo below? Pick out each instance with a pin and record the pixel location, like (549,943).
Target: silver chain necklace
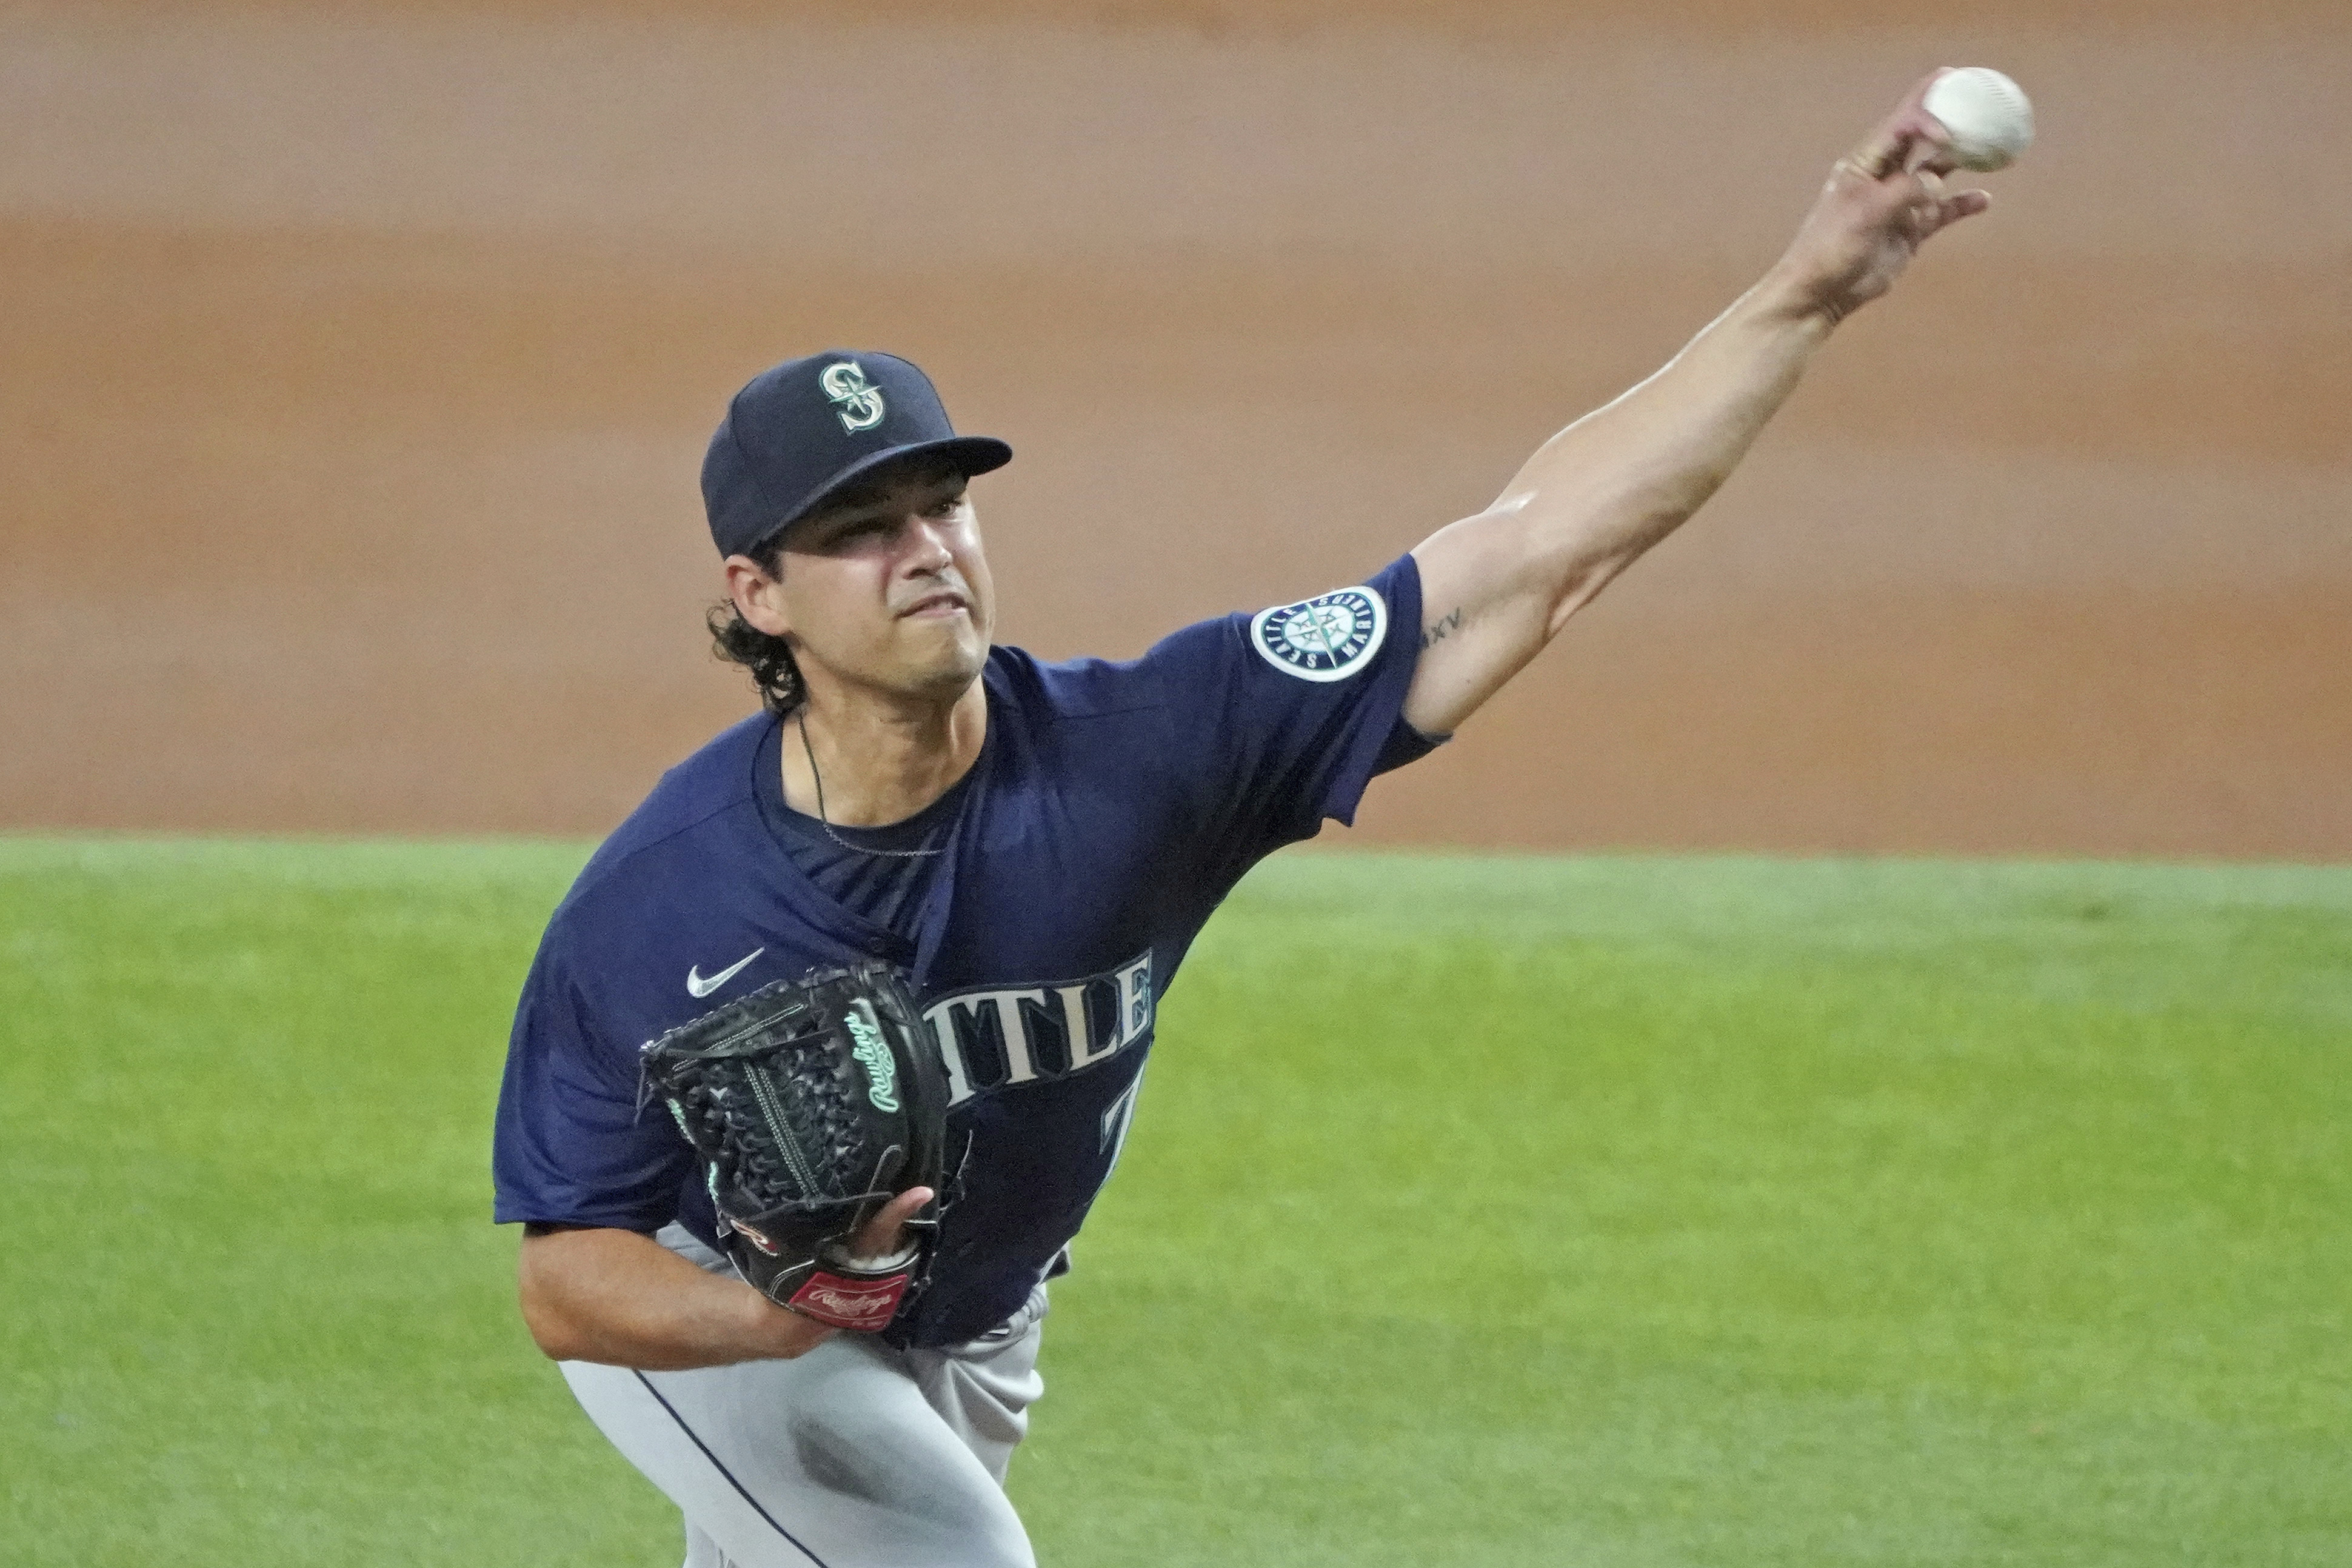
(822,820)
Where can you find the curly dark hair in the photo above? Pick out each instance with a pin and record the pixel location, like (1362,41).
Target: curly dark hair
(769,659)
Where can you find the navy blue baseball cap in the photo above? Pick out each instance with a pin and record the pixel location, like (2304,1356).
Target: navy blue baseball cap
(800,430)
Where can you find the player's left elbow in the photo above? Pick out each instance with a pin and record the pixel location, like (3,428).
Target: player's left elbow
(550,1328)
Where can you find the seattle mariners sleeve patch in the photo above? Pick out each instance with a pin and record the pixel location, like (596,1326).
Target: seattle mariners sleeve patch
(1326,638)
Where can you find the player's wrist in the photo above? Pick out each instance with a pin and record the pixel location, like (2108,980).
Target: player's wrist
(1788,298)
(773,1332)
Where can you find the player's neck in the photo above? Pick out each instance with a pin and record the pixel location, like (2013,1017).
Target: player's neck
(882,761)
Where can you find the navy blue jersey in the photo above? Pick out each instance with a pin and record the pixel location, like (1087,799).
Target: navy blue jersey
(1111,806)
(855,866)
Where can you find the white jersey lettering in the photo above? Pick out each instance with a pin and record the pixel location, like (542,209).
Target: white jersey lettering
(973,1027)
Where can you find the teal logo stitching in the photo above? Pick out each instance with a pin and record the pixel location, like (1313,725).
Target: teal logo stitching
(855,399)
(881,1072)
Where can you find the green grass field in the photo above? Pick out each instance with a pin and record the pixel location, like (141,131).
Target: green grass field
(1605,1211)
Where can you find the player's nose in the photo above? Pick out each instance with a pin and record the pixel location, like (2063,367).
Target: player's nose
(927,552)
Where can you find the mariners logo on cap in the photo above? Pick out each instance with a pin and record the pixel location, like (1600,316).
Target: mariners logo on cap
(857,401)
(1326,638)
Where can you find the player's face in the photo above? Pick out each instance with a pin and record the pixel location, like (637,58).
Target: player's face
(885,588)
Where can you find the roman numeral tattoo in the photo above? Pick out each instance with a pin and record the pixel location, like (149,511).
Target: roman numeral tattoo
(1446,624)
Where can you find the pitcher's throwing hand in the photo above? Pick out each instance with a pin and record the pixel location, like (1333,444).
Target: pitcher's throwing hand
(1882,202)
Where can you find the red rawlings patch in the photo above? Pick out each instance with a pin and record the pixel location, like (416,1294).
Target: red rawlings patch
(865,1304)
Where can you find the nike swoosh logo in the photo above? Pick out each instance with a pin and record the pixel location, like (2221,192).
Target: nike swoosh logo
(695,986)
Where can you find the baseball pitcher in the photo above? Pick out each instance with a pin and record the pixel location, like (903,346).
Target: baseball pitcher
(825,1055)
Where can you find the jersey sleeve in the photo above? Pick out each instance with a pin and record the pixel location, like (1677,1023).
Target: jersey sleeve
(572,1147)
(1288,714)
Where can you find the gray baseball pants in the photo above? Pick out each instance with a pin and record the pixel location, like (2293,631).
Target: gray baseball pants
(856,1455)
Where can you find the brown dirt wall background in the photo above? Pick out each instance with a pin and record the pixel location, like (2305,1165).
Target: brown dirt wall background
(358,363)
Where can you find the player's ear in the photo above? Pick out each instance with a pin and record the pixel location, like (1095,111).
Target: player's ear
(758,598)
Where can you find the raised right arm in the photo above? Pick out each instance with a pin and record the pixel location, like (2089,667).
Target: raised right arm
(1497,587)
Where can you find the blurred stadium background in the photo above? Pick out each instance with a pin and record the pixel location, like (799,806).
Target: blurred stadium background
(360,359)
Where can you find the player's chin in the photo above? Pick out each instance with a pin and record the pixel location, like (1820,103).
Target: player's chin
(944,656)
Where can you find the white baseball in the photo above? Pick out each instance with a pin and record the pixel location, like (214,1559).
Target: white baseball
(1987,114)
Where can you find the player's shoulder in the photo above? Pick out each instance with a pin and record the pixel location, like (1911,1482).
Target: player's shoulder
(1092,687)
(687,821)
(1044,691)
(1324,639)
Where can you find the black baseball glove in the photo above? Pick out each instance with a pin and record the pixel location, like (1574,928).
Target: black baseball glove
(813,1104)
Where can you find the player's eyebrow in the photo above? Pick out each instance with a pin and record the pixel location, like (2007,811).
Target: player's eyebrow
(845,505)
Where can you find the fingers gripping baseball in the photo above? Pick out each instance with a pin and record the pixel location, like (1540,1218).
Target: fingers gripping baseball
(1928,206)
(1882,202)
